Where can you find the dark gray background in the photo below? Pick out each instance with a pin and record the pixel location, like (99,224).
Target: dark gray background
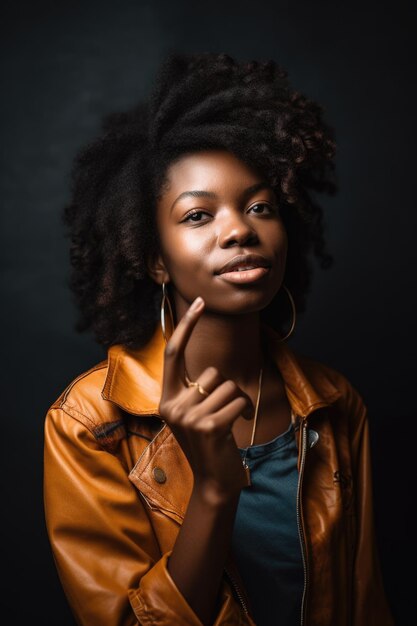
(64,65)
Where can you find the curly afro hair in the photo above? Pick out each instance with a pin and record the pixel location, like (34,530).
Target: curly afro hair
(198,101)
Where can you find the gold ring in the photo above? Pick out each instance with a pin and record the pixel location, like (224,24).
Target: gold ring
(200,389)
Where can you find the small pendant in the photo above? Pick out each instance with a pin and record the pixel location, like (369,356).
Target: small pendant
(247,470)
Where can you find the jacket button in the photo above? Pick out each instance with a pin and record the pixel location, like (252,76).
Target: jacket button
(313,437)
(159,475)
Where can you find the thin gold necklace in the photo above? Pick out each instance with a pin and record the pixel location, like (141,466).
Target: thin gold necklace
(245,465)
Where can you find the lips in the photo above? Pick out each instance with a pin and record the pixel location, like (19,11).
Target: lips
(244,262)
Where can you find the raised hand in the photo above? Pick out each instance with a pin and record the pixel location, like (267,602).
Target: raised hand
(202,424)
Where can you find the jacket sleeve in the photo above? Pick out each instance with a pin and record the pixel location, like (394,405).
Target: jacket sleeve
(370,606)
(102,539)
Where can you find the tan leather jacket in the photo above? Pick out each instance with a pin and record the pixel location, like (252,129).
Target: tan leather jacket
(117,484)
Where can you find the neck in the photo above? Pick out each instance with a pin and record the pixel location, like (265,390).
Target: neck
(232,344)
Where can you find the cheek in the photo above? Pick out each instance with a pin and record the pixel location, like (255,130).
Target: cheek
(186,250)
(196,243)
(277,238)
(283,244)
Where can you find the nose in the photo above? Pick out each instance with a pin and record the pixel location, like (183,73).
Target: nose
(235,229)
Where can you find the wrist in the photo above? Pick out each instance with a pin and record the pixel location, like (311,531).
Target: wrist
(214,495)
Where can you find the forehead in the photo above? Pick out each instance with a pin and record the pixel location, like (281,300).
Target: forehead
(213,170)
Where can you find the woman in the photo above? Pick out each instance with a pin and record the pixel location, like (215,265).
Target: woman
(204,473)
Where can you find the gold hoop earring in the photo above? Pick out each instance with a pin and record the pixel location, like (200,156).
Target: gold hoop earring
(294,314)
(163,324)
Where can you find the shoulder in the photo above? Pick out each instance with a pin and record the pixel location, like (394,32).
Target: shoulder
(82,401)
(314,381)
(316,370)
(324,376)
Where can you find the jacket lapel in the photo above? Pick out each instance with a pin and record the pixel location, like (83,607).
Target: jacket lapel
(134,377)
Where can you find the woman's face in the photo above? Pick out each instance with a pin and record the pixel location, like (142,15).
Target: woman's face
(231,211)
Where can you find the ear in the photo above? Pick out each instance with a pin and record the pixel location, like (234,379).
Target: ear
(156,269)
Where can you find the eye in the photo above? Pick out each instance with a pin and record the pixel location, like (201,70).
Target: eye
(270,208)
(194,214)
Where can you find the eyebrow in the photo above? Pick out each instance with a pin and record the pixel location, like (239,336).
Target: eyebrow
(249,191)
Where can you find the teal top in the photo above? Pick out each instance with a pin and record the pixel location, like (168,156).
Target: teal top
(265,541)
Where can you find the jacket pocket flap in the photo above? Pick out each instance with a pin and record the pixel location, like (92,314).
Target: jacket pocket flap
(163,475)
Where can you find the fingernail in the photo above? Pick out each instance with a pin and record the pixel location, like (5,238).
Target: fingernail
(196,304)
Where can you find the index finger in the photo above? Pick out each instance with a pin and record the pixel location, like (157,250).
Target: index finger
(174,350)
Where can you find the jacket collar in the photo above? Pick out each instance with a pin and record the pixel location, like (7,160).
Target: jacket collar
(134,377)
